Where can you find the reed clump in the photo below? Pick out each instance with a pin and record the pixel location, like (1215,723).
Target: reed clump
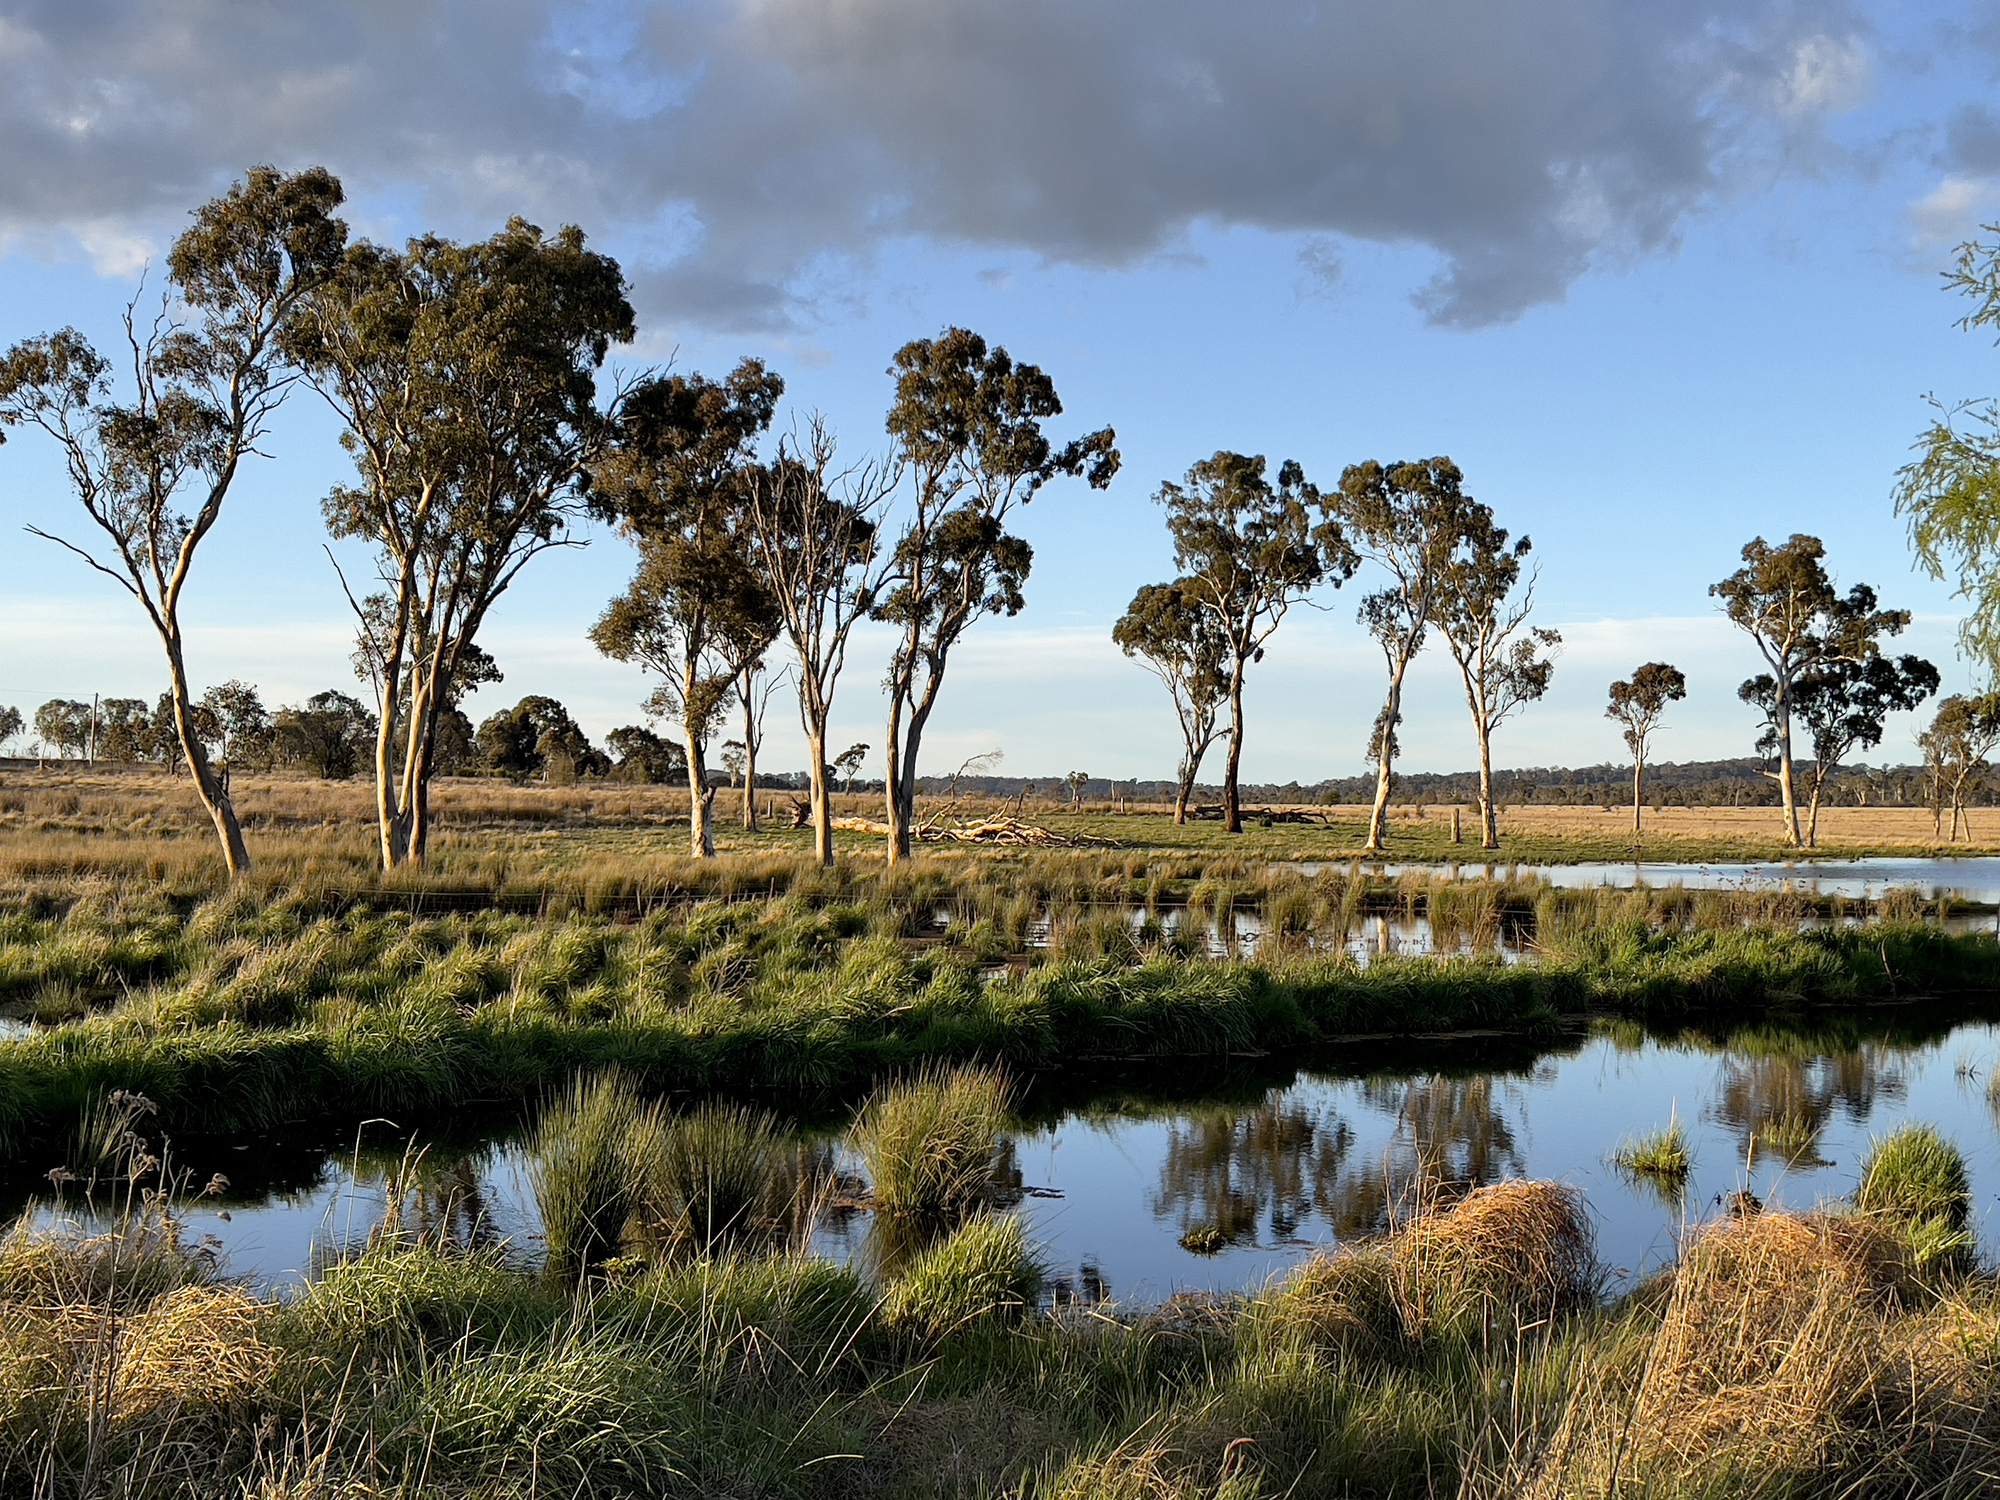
(982,1272)
(1917,1180)
(1661,1154)
(931,1141)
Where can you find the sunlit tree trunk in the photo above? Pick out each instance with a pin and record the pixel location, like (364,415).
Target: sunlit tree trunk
(1232,799)
(1385,758)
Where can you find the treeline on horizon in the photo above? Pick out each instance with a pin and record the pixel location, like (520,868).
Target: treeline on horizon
(465,377)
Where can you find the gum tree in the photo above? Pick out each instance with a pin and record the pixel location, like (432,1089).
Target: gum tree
(1783,600)
(1184,646)
(1637,705)
(1410,520)
(817,532)
(153,470)
(967,428)
(1843,707)
(1248,550)
(1504,662)
(466,377)
(678,479)
(1956,749)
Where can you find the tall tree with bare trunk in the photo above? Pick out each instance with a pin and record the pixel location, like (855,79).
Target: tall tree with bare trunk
(1637,705)
(1183,645)
(1504,662)
(679,478)
(1410,520)
(967,428)
(817,531)
(1248,550)
(152,471)
(466,377)
(1783,600)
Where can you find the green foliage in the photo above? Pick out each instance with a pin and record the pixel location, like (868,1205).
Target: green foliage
(1659,1153)
(709,1173)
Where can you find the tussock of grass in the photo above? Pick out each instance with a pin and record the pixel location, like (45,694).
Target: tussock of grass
(587,1160)
(930,1141)
(1917,1179)
(981,1272)
(1661,1154)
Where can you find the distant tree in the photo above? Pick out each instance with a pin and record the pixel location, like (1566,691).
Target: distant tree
(240,711)
(126,730)
(11,723)
(1187,648)
(644,757)
(1410,520)
(1956,749)
(733,760)
(466,376)
(848,763)
(1843,707)
(967,428)
(699,610)
(1783,600)
(1077,781)
(754,687)
(1504,662)
(1950,492)
(208,375)
(65,725)
(1637,704)
(520,742)
(1248,551)
(329,734)
(818,538)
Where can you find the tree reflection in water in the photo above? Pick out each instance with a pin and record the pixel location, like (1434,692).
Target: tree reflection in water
(1778,1103)
(1285,1161)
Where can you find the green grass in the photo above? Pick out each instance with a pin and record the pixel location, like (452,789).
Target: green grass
(248,1010)
(1661,1154)
(930,1141)
(1465,1354)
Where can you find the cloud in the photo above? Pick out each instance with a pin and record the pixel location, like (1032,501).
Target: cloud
(747,155)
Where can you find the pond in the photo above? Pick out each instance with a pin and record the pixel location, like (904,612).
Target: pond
(1974,879)
(1275,1168)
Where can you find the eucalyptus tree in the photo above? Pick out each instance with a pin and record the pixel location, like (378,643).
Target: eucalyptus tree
(152,471)
(678,478)
(1184,645)
(1783,600)
(1637,704)
(1504,662)
(1844,706)
(11,723)
(1411,520)
(966,426)
(817,533)
(755,685)
(1950,493)
(466,377)
(1248,550)
(1956,749)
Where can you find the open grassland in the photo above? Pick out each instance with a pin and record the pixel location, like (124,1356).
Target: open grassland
(1850,1352)
(761,974)
(117,822)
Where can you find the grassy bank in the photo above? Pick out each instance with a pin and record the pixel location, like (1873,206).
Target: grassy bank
(1841,1353)
(255,1007)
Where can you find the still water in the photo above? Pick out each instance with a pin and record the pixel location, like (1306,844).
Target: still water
(1973,879)
(1280,1167)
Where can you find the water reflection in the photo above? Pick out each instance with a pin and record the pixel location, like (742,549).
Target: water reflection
(1229,1172)
(1778,1105)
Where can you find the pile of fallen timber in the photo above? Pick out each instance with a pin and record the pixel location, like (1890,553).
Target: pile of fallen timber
(997,830)
(1213,813)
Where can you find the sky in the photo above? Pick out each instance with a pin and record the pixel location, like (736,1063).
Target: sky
(1659,278)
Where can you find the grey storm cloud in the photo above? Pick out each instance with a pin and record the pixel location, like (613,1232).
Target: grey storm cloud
(742,153)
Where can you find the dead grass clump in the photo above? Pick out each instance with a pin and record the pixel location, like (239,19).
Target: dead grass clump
(200,1345)
(1346,1300)
(1501,1258)
(1784,1351)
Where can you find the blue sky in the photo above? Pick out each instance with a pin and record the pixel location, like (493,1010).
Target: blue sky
(1658,285)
